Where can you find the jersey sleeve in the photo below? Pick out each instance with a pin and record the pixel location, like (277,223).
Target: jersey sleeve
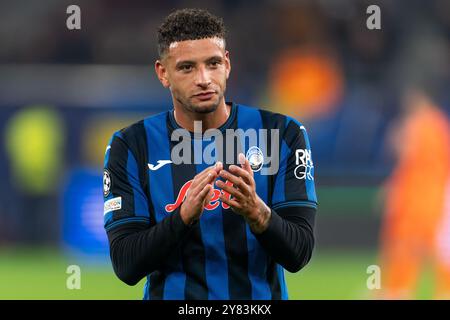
(294,182)
(124,198)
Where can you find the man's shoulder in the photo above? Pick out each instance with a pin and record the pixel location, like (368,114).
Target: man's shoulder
(137,129)
(272,119)
(135,134)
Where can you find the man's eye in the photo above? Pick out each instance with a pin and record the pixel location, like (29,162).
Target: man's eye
(214,63)
(186,67)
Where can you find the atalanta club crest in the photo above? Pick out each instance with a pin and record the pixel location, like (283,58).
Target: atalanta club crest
(255,158)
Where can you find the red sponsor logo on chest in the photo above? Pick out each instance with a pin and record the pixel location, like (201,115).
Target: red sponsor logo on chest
(211,205)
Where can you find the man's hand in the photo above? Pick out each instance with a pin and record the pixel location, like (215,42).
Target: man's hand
(246,201)
(199,194)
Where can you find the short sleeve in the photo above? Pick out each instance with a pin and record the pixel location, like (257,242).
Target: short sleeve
(294,182)
(124,198)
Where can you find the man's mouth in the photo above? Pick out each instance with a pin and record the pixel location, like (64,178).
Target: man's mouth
(203,96)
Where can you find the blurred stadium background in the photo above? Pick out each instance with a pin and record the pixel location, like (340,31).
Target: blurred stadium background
(63,93)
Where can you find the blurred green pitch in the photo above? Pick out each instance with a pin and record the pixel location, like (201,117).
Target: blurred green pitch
(41,274)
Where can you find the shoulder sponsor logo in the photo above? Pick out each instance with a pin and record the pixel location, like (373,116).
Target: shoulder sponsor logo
(112,205)
(304,165)
(160,164)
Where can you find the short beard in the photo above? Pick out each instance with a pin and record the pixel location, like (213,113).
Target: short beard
(208,109)
(196,109)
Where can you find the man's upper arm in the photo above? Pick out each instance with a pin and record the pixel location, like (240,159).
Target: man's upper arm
(124,197)
(294,182)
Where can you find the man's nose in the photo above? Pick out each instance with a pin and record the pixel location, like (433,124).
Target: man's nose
(202,78)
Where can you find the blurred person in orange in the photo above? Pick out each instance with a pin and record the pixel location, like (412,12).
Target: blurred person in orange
(306,82)
(414,202)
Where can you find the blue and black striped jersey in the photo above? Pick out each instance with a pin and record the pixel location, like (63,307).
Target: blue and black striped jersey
(218,257)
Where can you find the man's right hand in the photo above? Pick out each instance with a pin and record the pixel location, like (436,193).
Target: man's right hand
(199,194)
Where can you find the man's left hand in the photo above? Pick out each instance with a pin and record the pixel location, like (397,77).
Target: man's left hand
(245,201)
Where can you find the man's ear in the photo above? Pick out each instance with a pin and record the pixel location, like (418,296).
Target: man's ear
(161,72)
(227,63)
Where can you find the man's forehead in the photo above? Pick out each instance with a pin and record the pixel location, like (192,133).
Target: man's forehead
(196,48)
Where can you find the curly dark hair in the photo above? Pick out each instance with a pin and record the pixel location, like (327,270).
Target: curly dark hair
(189,24)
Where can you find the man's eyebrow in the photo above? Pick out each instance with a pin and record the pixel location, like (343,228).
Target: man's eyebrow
(214,58)
(190,62)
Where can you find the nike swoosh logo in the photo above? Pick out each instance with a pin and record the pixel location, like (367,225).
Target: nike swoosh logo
(159,165)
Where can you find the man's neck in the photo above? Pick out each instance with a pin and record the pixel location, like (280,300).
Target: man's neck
(211,120)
